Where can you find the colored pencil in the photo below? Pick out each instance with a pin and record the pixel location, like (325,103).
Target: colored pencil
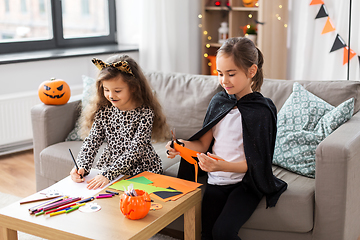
(56,213)
(55,205)
(38,200)
(37,207)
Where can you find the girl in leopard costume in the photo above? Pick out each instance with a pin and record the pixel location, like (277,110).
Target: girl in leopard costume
(125,114)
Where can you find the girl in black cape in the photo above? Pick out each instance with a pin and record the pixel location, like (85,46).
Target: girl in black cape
(238,137)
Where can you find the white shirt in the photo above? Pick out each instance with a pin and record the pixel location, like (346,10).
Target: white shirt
(228,145)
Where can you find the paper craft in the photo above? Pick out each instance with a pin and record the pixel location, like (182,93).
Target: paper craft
(187,154)
(147,188)
(166,194)
(167,182)
(142,180)
(73,189)
(90,207)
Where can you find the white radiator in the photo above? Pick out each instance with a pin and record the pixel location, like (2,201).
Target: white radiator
(15,120)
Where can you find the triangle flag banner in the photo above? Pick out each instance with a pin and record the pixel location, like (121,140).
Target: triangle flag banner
(329,26)
(315,2)
(339,43)
(322,12)
(346,52)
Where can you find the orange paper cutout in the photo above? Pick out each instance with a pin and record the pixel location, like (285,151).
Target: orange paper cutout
(329,26)
(315,2)
(346,52)
(188,155)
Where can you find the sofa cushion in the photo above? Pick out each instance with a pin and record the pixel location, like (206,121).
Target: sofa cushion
(303,122)
(294,212)
(333,92)
(56,162)
(184,99)
(88,89)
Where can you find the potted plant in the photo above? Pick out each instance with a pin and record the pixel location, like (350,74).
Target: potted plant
(251,32)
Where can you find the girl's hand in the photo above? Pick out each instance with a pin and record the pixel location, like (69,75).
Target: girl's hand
(210,162)
(171,153)
(76,175)
(97,182)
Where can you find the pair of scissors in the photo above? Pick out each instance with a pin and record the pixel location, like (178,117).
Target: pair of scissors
(189,155)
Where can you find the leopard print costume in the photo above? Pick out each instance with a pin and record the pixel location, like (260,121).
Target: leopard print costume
(128,135)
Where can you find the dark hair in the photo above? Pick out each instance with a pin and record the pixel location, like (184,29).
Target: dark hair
(245,54)
(142,95)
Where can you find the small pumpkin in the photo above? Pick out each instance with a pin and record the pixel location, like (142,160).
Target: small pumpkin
(249,3)
(54,92)
(135,207)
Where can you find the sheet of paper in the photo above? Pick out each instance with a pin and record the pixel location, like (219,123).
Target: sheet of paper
(72,189)
(147,188)
(142,180)
(163,181)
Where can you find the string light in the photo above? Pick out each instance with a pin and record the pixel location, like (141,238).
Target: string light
(250,15)
(207,45)
(205,32)
(200,25)
(206,55)
(200,16)
(209,37)
(279,17)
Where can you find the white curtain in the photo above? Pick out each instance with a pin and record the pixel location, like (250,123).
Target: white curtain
(170,36)
(309,50)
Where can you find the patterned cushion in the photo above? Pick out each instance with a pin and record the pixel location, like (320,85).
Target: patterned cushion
(88,84)
(303,122)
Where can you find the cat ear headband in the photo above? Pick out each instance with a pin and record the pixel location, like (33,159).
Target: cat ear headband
(122,66)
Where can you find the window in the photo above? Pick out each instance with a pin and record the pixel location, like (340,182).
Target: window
(27,25)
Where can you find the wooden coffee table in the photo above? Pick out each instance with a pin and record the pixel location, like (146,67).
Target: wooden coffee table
(108,223)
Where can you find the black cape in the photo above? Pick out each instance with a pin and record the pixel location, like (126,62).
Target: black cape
(259,133)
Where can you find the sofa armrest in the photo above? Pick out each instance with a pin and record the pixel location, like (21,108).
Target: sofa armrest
(337,181)
(51,124)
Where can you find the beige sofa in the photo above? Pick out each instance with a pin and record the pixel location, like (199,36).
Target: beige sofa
(325,208)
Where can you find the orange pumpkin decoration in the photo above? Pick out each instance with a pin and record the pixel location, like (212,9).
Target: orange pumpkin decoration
(54,92)
(135,207)
(249,3)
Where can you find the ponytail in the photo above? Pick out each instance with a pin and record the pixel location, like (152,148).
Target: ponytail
(258,79)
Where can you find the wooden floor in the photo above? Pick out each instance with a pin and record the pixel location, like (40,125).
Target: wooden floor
(17,174)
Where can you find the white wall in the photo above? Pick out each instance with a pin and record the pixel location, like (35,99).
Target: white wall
(27,76)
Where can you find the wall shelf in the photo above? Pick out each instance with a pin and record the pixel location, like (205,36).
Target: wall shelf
(238,16)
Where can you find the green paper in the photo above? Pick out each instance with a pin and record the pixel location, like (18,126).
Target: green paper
(141,179)
(147,188)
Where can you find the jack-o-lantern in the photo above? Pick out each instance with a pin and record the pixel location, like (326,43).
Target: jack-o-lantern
(249,3)
(54,92)
(135,207)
